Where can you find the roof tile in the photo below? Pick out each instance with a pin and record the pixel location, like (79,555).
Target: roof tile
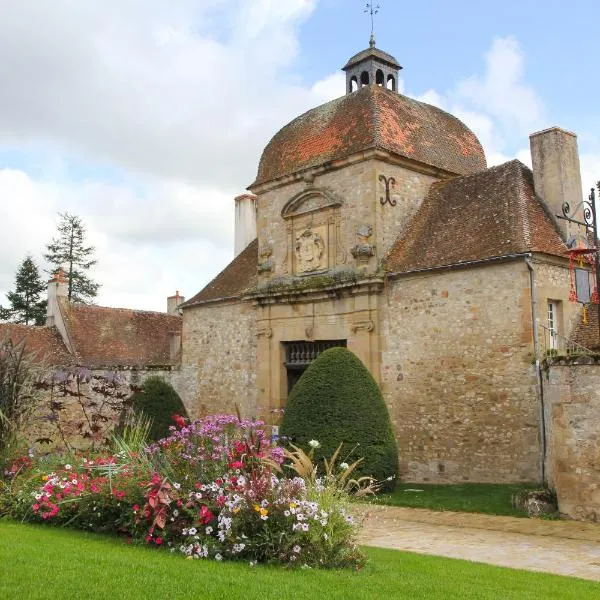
(489,214)
(238,276)
(372,118)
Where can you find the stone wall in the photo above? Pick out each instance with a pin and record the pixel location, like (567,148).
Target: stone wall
(219,359)
(572,409)
(458,374)
(81,413)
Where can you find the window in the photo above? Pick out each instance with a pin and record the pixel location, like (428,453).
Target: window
(299,355)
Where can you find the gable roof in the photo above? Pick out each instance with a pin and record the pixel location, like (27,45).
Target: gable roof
(489,214)
(372,118)
(238,276)
(105,337)
(44,343)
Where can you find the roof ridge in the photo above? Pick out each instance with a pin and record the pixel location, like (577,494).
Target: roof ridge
(525,227)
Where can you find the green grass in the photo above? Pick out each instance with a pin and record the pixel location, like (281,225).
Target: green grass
(489,498)
(40,562)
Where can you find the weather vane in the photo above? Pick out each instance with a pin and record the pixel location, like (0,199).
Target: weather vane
(372,10)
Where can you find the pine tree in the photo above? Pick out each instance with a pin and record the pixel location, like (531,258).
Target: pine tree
(69,252)
(27,301)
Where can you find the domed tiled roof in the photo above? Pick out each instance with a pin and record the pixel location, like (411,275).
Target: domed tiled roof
(372,118)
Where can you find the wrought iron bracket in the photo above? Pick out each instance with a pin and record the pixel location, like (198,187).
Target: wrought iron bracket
(589,213)
(389,183)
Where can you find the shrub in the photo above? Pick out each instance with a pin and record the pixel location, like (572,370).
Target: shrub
(335,401)
(159,401)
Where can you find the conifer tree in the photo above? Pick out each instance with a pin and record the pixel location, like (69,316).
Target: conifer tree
(69,252)
(27,300)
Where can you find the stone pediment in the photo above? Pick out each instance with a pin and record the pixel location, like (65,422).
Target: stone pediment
(308,201)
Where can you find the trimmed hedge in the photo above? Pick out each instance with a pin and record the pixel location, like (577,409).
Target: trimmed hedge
(159,401)
(337,400)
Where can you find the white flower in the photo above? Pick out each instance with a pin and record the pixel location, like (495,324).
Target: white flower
(314,444)
(344,466)
(176,485)
(296,549)
(192,531)
(304,526)
(67,467)
(175,513)
(209,530)
(218,556)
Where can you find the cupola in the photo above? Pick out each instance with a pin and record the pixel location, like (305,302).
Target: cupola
(371,67)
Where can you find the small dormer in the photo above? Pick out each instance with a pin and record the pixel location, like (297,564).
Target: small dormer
(371,67)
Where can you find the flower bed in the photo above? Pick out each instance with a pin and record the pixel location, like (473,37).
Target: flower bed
(213,489)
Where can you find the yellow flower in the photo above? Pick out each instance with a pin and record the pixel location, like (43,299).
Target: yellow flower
(236,510)
(257,508)
(263,512)
(293,505)
(44,477)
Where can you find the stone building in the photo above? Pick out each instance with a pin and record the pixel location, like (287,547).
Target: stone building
(374,223)
(107,350)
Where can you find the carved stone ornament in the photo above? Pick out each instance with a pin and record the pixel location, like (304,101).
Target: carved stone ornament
(264,330)
(265,266)
(266,250)
(363,250)
(366,325)
(310,251)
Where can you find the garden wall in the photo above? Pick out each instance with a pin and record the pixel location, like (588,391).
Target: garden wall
(82,412)
(572,414)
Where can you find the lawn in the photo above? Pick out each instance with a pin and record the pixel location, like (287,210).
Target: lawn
(489,498)
(47,563)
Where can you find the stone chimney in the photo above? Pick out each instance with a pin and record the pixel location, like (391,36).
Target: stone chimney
(245,221)
(557,176)
(173,303)
(58,287)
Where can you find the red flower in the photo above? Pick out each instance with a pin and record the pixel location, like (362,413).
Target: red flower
(135,508)
(237,464)
(158,541)
(205,515)
(179,421)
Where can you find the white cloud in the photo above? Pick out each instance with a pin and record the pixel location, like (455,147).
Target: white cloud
(179,98)
(502,91)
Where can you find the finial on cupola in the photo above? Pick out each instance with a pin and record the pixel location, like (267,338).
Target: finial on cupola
(372,10)
(371,66)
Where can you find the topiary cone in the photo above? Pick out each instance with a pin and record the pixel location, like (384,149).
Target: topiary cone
(337,400)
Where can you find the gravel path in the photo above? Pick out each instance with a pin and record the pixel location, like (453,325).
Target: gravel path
(560,547)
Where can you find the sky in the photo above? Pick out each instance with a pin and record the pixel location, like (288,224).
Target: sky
(146,118)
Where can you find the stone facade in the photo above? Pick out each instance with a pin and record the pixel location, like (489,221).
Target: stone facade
(572,401)
(458,377)
(219,359)
(352,215)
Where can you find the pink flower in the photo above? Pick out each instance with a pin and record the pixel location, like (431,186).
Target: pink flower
(135,508)
(158,541)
